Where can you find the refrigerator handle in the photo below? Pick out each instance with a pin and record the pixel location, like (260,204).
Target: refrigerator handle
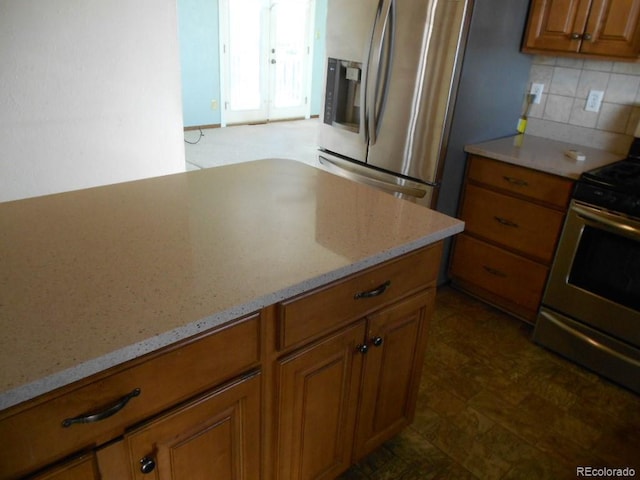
(377,76)
(375,178)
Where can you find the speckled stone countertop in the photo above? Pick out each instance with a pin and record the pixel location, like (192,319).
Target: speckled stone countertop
(92,278)
(543,154)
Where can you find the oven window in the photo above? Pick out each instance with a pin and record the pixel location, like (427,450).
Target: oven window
(608,265)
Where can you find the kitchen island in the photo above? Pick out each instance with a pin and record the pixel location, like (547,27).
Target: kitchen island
(197,285)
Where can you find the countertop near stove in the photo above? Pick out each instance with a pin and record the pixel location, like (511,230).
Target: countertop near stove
(93,278)
(543,154)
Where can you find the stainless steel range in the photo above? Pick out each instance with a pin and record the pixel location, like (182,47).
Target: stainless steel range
(591,306)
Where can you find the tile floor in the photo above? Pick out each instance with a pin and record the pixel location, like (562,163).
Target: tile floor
(493,405)
(295,140)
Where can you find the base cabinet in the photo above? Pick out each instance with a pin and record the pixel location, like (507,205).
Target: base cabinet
(211,437)
(342,397)
(318,392)
(83,468)
(513,218)
(392,369)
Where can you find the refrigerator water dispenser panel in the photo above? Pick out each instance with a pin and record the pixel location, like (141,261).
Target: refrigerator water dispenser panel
(342,96)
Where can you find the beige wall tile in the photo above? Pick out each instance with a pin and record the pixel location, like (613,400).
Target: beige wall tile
(561,114)
(622,88)
(565,81)
(613,117)
(558,108)
(591,80)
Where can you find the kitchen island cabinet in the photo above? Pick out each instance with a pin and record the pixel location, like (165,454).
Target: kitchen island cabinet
(595,28)
(150,324)
(339,398)
(82,468)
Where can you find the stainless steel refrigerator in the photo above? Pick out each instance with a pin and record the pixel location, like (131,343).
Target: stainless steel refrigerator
(391,74)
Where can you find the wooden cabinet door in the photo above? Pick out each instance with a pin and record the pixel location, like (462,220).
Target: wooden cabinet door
(613,28)
(216,436)
(553,23)
(596,27)
(317,397)
(391,376)
(83,468)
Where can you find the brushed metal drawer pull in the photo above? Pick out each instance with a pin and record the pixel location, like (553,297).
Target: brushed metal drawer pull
(375,292)
(495,272)
(515,181)
(505,222)
(106,413)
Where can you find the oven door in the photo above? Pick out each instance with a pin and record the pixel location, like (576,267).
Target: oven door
(595,278)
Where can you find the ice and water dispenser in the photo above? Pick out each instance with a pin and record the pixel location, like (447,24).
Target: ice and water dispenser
(342,96)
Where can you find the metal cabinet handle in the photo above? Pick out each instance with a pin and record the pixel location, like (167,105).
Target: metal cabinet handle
(147,465)
(377,341)
(106,413)
(505,222)
(575,36)
(515,181)
(373,293)
(494,271)
(587,37)
(364,348)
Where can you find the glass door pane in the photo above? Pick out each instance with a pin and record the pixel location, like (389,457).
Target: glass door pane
(290,52)
(245,19)
(265,59)
(609,266)
(245,40)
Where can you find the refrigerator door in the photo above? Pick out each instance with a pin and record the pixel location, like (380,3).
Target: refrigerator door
(412,122)
(349,27)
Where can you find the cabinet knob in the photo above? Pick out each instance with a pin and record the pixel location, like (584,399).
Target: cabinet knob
(587,37)
(377,341)
(363,348)
(575,36)
(147,464)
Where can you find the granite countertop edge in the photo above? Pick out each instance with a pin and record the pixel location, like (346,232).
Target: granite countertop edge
(86,369)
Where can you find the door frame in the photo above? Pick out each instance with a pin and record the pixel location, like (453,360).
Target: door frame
(223,37)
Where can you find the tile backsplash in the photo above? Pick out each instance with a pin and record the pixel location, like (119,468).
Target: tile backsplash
(561,114)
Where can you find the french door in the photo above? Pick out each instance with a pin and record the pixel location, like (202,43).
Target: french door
(265,52)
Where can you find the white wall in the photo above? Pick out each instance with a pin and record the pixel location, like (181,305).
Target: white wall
(89,94)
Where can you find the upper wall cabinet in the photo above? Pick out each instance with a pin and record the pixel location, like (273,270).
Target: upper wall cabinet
(594,28)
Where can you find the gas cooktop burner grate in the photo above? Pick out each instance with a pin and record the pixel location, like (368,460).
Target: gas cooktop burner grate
(615,187)
(621,176)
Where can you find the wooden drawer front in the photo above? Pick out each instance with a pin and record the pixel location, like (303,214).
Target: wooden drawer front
(516,279)
(514,223)
(539,186)
(319,312)
(35,436)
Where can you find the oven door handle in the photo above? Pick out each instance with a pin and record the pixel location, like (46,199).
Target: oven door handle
(613,222)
